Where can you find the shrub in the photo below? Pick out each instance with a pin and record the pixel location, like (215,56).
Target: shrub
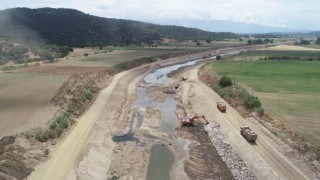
(88,94)
(252,101)
(225,81)
(56,128)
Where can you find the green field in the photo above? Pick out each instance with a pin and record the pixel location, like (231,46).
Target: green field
(274,76)
(282,53)
(111,58)
(289,90)
(261,54)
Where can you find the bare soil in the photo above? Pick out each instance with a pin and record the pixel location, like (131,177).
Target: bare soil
(56,69)
(90,151)
(289,48)
(204,161)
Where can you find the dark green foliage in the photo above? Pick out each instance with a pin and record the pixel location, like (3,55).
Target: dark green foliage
(302,42)
(74,28)
(225,81)
(241,95)
(318,40)
(259,41)
(88,95)
(56,128)
(218,57)
(17,51)
(251,101)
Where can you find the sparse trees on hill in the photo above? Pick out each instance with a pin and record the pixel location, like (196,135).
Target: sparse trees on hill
(318,40)
(259,41)
(303,42)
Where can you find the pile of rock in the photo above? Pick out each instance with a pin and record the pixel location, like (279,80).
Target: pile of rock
(232,159)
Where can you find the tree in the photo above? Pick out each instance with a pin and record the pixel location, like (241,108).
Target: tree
(318,40)
(208,41)
(249,42)
(304,42)
(225,81)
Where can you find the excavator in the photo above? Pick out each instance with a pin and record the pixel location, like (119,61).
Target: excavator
(188,121)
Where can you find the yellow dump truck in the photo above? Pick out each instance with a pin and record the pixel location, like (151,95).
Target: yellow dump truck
(246,132)
(221,106)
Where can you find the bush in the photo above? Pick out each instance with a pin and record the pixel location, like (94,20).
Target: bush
(56,128)
(252,101)
(225,81)
(88,95)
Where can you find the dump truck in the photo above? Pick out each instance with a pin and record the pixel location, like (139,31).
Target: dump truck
(221,106)
(249,134)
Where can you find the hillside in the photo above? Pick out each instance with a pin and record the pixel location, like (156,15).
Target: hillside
(74,28)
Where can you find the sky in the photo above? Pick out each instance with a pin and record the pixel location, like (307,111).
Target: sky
(294,14)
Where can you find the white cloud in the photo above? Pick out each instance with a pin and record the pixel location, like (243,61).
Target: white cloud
(283,13)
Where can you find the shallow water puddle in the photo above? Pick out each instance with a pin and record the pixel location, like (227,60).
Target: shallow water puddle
(161,160)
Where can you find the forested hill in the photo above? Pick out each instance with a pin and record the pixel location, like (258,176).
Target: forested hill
(74,28)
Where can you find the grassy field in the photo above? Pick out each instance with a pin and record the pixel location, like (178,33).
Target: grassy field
(294,51)
(25,100)
(111,58)
(289,90)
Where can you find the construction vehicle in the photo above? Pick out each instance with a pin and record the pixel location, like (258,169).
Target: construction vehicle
(221,106)
(249,134)
(188,121)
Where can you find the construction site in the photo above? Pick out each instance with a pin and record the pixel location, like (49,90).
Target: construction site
(157,121)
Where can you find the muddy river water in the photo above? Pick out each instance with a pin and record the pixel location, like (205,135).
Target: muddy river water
(163,162)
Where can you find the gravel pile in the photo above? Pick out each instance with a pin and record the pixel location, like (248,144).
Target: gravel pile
(232,159)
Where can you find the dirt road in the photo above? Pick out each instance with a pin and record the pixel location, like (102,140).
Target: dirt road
(266,161)
(89,152)
(64,161)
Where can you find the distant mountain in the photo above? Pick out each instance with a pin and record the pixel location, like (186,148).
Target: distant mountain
(225,26)
(75,28)
(316,33)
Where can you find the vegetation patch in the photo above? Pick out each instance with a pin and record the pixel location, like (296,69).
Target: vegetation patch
(56,128)
(238,96)
(274,54)
(289,92)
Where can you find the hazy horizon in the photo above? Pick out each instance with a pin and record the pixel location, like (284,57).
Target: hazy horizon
(254,15)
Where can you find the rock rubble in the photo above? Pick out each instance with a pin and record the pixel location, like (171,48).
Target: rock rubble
(232,159)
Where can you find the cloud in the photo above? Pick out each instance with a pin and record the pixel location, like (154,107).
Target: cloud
(282,13)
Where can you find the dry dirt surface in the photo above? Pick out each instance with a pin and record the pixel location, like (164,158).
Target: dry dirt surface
(289,48)
(25,101)
(113,139)
(54,69)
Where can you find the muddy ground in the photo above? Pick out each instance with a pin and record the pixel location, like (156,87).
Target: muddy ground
(204,161)
(112,141)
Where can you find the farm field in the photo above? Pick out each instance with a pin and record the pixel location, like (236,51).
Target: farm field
(203,44)
(289,91)
(279,51)
(25,100)
(290,48)
(111,58)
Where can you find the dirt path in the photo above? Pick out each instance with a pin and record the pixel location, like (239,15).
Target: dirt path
(65,154)
(262,158)
(89,152)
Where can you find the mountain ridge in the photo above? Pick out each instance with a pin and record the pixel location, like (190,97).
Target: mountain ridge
(71,27)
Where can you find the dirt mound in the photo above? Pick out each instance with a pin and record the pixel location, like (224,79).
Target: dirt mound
(11,160)
(76,94)
(204,161)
